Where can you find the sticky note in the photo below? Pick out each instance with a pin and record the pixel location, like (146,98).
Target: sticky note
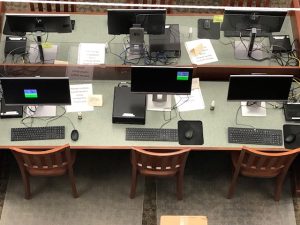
(218,18)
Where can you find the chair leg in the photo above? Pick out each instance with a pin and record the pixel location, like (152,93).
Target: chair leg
(73,184)
(278,188)
(232,185)
(133,182)
(179,186)
(26,182)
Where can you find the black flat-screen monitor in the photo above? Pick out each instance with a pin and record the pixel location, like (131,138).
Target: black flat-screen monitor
(36,90)
(119,21)
(259,87)
(161,79)
(242,21)
(19,23)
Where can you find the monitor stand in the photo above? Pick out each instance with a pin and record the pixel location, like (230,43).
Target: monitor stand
(253,108)
(159,102)
(248,49)
(41,111)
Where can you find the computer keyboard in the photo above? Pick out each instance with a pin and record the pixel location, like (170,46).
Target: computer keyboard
(37,133)
(151,134)
(254,136)
(245,33)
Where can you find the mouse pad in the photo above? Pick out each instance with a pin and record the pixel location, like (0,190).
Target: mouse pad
(196,126)
(291,129)
(212,33)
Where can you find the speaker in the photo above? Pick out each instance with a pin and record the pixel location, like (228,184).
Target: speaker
(136,35)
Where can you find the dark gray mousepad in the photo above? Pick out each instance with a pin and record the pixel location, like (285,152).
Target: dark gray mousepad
(212,33)
(289,129)
(196,126)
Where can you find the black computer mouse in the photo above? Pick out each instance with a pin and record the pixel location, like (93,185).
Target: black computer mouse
(290,138)
(189,134)
(74,135)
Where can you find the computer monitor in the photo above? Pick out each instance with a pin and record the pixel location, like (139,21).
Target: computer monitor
(253,24)
(160,81)
(119,21)
(252,90)
(22,23)
(36,91)
(136,22)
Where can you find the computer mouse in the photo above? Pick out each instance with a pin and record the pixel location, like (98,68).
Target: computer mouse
(189,134)
(74,135)
(206,24)
(290,138)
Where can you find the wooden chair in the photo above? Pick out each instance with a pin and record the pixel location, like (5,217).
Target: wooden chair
(47,7)
(252,163)
(249,3)
(154,2)
(54,162)
(158,164)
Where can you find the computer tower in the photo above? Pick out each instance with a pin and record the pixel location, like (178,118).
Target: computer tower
(128,108)
(167,43)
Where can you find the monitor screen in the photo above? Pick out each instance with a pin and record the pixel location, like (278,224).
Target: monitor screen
(119,21)
(36,90)
(259,87)
(18,23)
(240,20)
(161,80)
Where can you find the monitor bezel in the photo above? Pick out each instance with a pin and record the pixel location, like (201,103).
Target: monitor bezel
(242,13)
(166,92)
(36,78)
(256,76)
(162,12)
(35,15)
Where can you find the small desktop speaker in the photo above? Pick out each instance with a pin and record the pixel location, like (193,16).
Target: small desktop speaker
(136,35)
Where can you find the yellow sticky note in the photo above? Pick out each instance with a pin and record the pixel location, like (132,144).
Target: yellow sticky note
(46,45)
(218,19)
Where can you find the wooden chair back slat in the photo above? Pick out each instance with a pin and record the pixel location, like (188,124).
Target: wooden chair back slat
(58,158)
(37,162)
(25,159)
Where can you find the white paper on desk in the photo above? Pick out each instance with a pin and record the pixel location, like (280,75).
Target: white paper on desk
(194,101)
(79,98)
(201,51)
(91,53)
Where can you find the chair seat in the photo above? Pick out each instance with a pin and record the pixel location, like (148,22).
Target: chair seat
(157,173)
(47,172)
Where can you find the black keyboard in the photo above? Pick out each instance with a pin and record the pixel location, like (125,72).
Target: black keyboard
(151,134)
(37,133)
(254,136)
(245,33)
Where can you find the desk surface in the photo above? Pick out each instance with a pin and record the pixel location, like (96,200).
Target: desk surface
(97,131)
(93,29)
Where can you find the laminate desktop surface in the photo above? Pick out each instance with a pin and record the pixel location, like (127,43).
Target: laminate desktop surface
(93,29)
(96,130)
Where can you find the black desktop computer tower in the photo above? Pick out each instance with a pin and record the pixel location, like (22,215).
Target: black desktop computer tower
(167,43)
(128,108)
